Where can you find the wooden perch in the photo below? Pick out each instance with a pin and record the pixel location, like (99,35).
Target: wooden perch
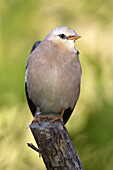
(55,146)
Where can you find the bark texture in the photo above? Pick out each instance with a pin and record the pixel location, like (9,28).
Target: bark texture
(55,145)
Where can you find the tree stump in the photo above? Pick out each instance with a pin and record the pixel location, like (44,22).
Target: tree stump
(55,146)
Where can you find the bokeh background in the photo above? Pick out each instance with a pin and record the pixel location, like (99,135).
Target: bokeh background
(91,125)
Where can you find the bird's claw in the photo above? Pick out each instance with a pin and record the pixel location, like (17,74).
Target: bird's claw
(56,118)
(39,117)
(60,117)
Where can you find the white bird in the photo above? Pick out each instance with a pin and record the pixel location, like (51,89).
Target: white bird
(53,75)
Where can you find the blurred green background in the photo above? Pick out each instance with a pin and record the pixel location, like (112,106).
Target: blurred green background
(91,125)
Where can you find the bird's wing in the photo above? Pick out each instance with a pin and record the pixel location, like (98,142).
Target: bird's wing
(30,103)
(35,45)
(69,110)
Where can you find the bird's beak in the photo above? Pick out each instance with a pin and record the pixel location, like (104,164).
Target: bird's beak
(74,37)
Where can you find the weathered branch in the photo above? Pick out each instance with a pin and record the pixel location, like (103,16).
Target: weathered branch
(55,145)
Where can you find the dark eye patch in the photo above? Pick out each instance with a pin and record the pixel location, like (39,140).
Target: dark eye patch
(62,36)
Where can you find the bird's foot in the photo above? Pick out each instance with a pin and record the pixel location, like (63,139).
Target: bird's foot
(57,117)
(39,117)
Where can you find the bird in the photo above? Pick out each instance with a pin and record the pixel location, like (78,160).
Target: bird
(53,76)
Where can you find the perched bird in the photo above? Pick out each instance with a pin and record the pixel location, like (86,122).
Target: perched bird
(53,75)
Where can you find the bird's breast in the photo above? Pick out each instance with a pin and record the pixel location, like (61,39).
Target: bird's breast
(54,83)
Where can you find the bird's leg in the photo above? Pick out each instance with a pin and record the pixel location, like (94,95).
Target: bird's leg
(39,117)
(58,117)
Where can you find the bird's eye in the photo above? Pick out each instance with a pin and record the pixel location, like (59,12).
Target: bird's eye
(62,36)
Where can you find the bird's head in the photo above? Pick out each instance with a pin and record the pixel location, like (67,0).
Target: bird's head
(63,36)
